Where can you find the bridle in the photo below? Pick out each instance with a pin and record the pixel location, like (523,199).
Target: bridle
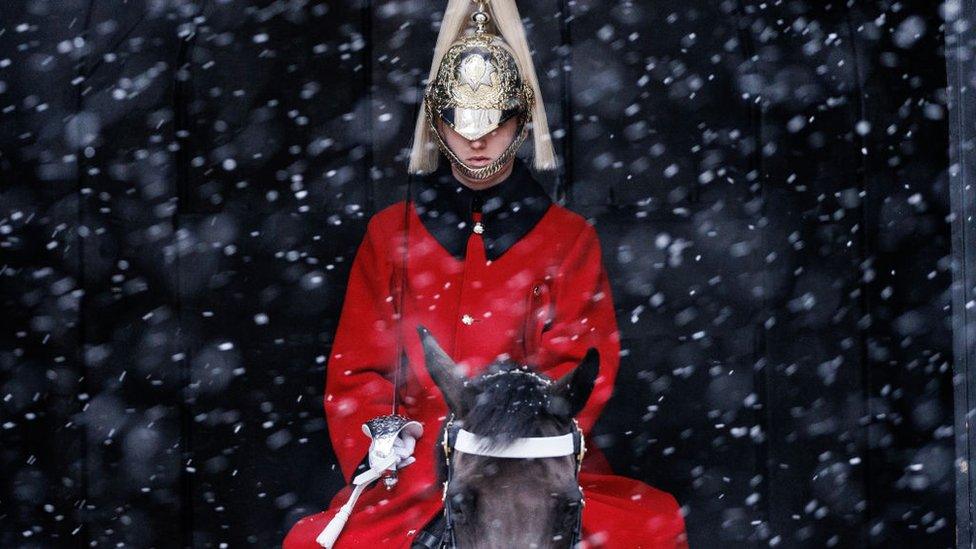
(456,439)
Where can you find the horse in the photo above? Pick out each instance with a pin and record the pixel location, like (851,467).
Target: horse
(512,452)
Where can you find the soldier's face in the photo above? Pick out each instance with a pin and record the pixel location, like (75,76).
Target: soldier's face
(484,150)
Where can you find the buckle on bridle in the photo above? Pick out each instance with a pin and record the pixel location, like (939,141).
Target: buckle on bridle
(445,444)
(582,446)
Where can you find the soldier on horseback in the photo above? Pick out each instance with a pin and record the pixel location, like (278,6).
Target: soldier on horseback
(494,271)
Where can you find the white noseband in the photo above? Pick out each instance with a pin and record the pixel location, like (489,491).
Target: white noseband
(525,447)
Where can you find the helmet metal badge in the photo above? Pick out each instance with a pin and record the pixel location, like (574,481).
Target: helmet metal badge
(478,87)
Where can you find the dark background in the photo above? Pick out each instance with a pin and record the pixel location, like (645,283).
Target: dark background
(184,184)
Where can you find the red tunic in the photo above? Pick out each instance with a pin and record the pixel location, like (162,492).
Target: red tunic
(544,300)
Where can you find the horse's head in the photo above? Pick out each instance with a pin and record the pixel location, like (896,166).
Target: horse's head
(503,501)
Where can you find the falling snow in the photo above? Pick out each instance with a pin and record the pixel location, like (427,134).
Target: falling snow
(185,185)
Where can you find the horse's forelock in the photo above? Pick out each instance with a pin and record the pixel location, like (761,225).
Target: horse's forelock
(512,403)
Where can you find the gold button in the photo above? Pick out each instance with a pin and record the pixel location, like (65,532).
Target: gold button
(479,228)
(537,290)
(467,319)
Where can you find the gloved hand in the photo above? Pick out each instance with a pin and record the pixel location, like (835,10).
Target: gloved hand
(393,438)
(402,451)
(403,447)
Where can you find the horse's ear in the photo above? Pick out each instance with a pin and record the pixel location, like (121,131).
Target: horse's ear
(445,373)
(570,392)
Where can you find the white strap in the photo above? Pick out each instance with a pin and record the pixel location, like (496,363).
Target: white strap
(525,447)
(330,533)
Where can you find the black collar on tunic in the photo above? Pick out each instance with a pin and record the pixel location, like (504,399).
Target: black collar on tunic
(509,210)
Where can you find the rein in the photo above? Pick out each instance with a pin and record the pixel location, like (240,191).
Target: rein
(456,439)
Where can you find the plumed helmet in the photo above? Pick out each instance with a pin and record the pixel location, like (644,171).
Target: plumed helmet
(478,87)
(481,78)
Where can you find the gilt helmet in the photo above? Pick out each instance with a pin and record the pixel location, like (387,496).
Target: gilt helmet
(477,89)
(478,85)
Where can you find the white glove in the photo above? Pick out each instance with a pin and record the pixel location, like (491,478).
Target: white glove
(403,448)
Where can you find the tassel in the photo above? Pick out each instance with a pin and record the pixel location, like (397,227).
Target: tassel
(332,530)
(330,533)
(329,536)
(424,156)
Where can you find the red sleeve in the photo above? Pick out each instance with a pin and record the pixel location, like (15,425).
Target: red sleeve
(583,317)
(358,384)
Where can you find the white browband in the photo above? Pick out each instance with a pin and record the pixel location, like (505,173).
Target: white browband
(525,447)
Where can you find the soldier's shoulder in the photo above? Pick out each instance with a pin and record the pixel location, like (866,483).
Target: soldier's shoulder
(387,218)
(570,221)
